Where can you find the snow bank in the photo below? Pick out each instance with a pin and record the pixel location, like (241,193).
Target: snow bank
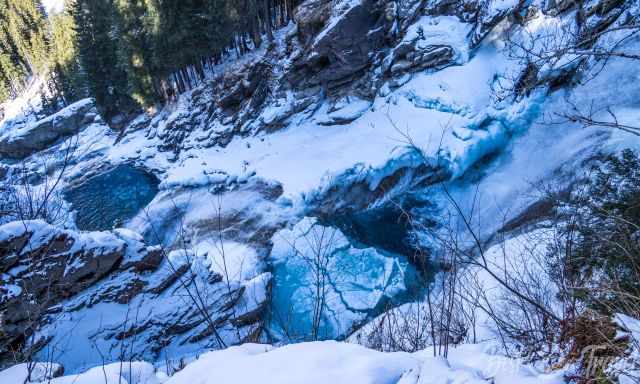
(321,363)
(39,372)
(117,373)
(475,364)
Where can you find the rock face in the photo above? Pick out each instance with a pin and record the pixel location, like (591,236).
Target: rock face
(53,279)
(311,17)
(41,266)
(342,49)
(411,58)
(22,142)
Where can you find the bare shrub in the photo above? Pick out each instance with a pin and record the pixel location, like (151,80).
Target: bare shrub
(34,193)
(570,51)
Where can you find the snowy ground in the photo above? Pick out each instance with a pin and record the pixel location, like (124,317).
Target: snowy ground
(319,362)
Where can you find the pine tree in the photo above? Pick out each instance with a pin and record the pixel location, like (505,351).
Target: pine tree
(96,40)
(23,44)
(66,72)
(128,53)
(137,22)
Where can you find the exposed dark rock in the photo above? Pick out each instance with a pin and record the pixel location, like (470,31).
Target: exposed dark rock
(527,80)
(169,278)
(555,7)
(410,58)
(406,11)
(45,266)
(487,18)
(605,6)
(465,10)
(343,49)
(150,260)
(311,17)
(352,196)
(128,291)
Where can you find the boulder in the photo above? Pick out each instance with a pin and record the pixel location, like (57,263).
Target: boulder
(310,17)
(343,48)
(406,11)
(421,58)
(555,7)
(23,142)
(465,10)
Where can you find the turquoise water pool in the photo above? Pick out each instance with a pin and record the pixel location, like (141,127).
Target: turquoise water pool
(111,198)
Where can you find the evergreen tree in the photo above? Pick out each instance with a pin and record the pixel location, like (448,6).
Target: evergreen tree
(23,44)
(137,22)
(96,41)
(128,53)
(65,69)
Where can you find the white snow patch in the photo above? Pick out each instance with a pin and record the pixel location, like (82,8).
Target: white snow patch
(40,372)
(232,260)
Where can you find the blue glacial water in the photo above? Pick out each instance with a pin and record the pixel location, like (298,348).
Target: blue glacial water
(364,269)
(111,198)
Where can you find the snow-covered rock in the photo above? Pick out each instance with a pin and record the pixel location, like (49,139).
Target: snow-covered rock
(34,372)
(20,142)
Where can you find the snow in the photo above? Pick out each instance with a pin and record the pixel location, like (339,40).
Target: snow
(325,362)
(53,6)
(442,111)
(450,114)
(40,232)
(627,367)
(476,363)
(345,111)
(232,260)
(117,373)
(496,6)
(18,374)
(22,109)
(524,256)
(322,362)
(442,30)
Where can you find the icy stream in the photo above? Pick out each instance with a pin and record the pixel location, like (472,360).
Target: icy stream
(326,283)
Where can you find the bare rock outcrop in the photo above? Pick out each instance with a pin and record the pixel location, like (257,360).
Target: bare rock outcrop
(41,266)
(343,48)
